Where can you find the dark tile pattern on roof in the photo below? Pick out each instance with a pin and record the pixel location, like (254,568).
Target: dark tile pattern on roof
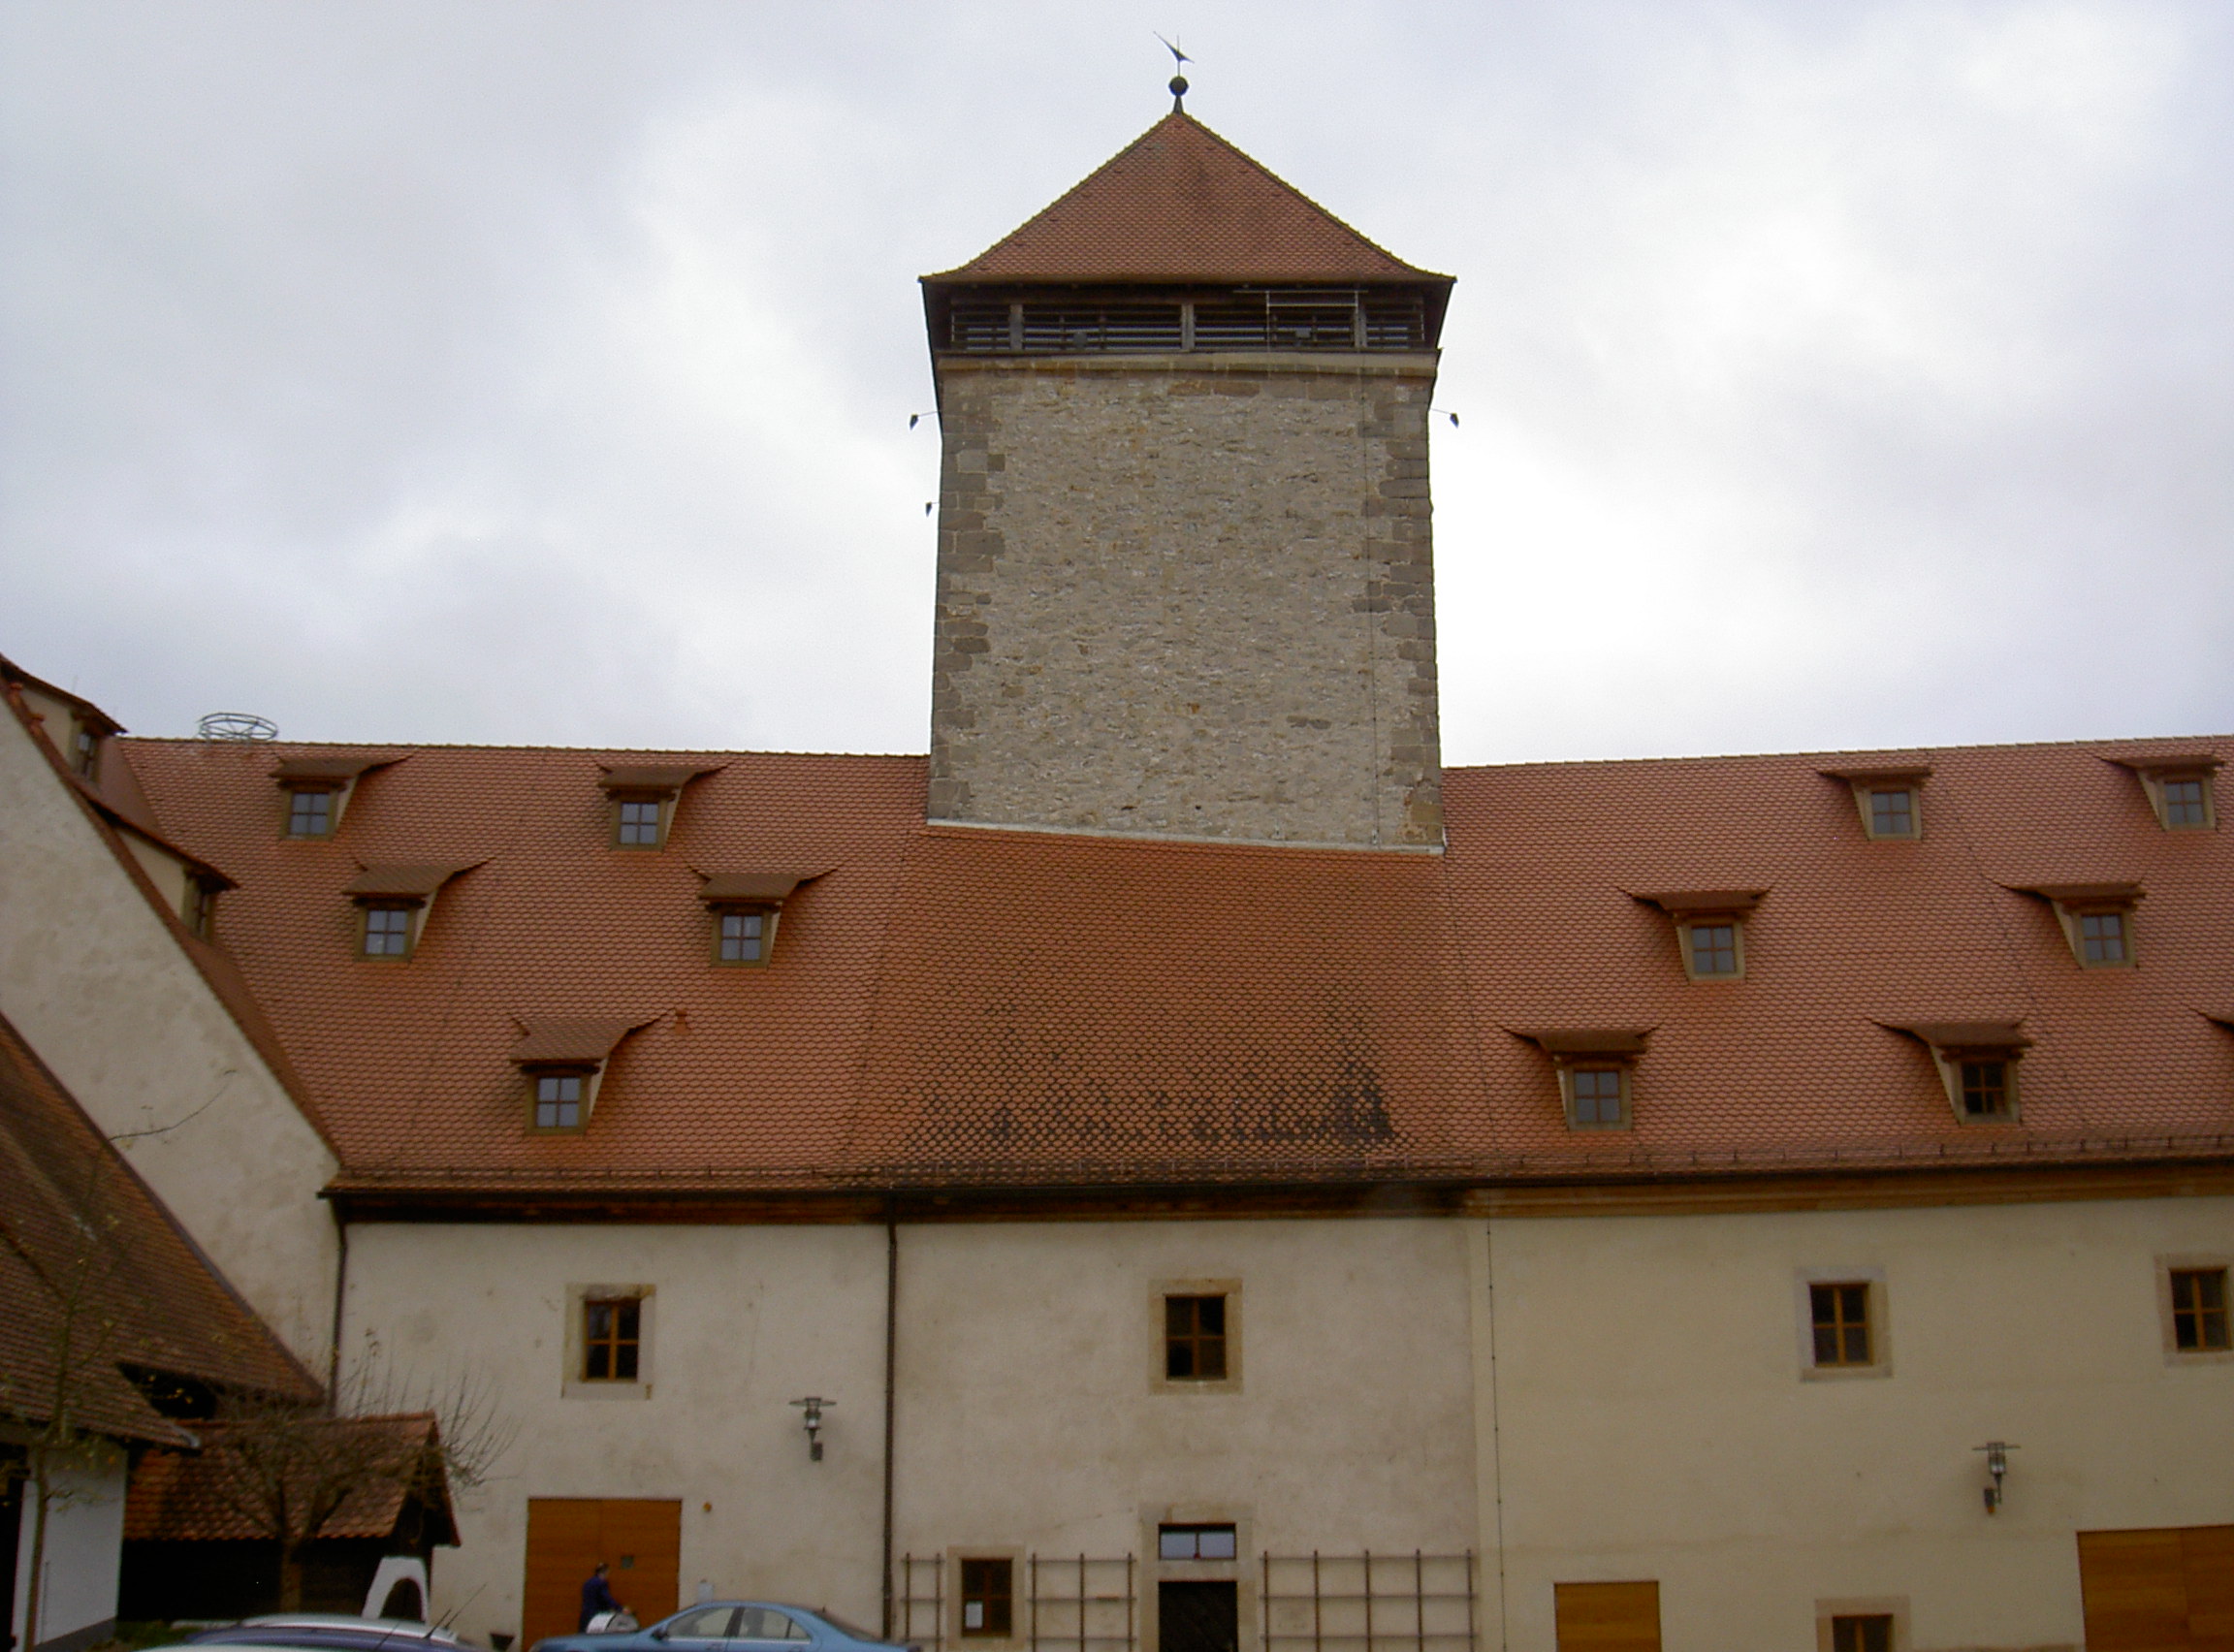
(1180,204)
(207,1496)
(95,1274)
(951,1005)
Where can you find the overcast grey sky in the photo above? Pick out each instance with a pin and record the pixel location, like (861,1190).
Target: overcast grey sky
(1831,372)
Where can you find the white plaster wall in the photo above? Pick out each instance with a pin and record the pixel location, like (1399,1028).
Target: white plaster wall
(83,1551)
(1029,1414)
(1650,1419)
(99,985)
(748,1320)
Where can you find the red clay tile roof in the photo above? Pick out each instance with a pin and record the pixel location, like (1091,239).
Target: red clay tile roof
(80,1230)
(206,1497)
(951,1005)
(1179,205)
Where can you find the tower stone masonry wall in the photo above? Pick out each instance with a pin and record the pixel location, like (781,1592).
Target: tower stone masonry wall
(1189,596)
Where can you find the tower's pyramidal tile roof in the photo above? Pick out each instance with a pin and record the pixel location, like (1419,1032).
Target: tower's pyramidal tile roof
(1183,205)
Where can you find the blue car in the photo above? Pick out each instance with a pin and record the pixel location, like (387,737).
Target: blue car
(732,1626)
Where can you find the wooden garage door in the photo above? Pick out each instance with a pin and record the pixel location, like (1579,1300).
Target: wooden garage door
(1607,1617)
(641,1539)
(2170,1590)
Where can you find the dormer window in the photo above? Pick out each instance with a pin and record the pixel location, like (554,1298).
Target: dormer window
(744,906)
(1890,798)
(1593,1066)
(2179,789)
(743,933)
(394,903)
(198,910)
(1977,1065)
(563,1061)
(390,928)
(85,748)
(2097,920)
(310,812)
(1710,929)
(559,1100)
(644,800)
(318,790)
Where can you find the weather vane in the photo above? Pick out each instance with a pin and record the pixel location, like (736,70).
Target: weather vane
(1178,77)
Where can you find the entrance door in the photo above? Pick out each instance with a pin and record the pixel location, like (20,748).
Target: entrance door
(639,1539)
(1197,1618)
(2169,1590)
(1607,1617)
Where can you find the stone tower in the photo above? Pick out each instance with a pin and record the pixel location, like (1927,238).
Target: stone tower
(1186,580)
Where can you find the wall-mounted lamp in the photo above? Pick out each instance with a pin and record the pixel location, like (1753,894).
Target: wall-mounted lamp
(1997,1465)
(814,1405)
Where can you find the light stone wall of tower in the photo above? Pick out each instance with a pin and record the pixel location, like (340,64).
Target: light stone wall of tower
(1188,595)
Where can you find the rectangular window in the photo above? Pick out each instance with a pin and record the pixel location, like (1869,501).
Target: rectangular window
(1985,1090)
(558,1101)
(2102,938)
(1195,1338)
(309,813)
(988,1597)
(1597,1094)
(636,822)
(1892,812)
(1870,1632)
(85,750)
(1842,1316)
(611,1339)
(387,930)
(2186,802)
(1194,1542)
(2199,1311)
(199,909)
(1713,949)
(741,933)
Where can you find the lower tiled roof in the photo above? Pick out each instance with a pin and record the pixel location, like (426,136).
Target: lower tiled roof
(224,1493)
(94,1276)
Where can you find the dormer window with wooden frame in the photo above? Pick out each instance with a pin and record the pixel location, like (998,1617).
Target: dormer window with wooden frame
(1710,929)
(394,903)
(2179,789)
(317,791)
(644,799)
(1890,799)
(2097,920)
(87,730)
(1977,1065)
(562,1061)
(1594,1067)
(744,906)
(198,909)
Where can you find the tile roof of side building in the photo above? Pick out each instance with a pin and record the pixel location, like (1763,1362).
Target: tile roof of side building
(79,1229)
(952,1006)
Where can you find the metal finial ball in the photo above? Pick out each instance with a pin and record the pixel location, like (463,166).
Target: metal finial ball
(1178,85)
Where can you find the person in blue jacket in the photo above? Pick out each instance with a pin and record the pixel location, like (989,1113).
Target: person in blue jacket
(597,1596)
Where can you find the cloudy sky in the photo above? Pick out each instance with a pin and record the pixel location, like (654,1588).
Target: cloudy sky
(1829,375)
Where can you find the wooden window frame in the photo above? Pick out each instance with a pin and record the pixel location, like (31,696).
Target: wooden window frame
(574,1383)
(1891,1607)
(988,1563)
(1160,1291)
(665,800)
(333,794)
(1875,1304)
(85,737)
(625,1314)
(1569,1065)
(2153,780)
(1866,794)
(1734,923)
(415,913)
(585,1075)
(2167,1307)
(198,905)
(768,911)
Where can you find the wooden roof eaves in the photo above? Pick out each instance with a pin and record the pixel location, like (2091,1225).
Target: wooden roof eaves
(219,972)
